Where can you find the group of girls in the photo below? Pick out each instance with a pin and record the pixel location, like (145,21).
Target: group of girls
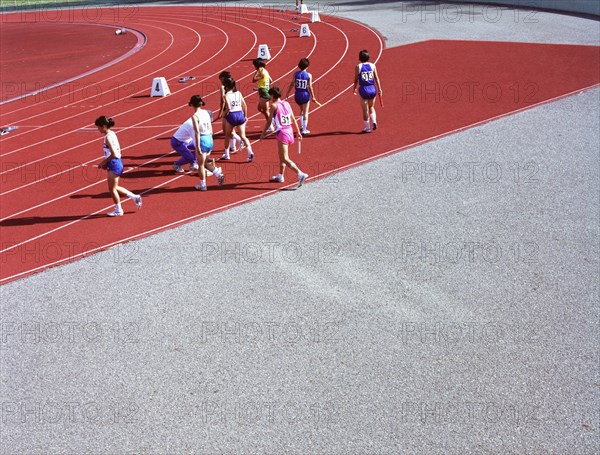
(193,141)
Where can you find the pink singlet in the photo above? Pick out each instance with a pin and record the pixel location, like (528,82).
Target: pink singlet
(283,122)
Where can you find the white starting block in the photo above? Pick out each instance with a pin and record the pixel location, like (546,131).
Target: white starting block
(304,30)
(303,9)
(314,16)
(160,87)
(263,52)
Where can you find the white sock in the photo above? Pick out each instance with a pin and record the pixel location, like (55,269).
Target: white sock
(250,152)
(306,123)
(235,138)
(118,207)
(129,194)
(374,117)
(280,177)
(202,182)
(302,124)
(367,125)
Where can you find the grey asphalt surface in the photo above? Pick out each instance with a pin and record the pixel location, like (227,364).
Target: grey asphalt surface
(443,300)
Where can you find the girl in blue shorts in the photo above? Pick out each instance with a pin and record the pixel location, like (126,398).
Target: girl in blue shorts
(114,165)
(183,143)
(235,111)
(365,75)
(302,81)
(203,141)
(236,138)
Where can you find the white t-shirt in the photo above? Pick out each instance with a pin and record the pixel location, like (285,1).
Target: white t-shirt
(115,144)
(234,101)
(204,121)
(185,133)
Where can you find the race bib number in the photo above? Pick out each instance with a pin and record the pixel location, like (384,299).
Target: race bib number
(301,84)
(203,126)
(285,120)
(235,103)
(367,76)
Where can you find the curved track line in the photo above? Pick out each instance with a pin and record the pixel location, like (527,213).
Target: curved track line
(139,45)
(127,111)
(133,126)
(95,183)
(157,229)
(130,170)
(114,76)
(132,145)
(94,109)
(160,21)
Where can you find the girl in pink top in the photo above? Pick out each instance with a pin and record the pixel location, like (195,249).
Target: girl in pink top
(280,111)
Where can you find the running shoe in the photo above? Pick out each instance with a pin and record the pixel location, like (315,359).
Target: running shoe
(301,178)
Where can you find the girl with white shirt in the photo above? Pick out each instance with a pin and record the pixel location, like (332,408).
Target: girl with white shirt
(203,141)
(235,113)
(114,165)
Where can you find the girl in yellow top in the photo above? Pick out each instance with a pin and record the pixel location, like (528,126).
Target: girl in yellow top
(264,83)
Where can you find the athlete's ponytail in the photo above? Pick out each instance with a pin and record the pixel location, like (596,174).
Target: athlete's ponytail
(230,85)
(103,120)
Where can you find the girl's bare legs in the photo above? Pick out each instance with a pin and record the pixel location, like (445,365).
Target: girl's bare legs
(114,189)
(304,118)
(246,141)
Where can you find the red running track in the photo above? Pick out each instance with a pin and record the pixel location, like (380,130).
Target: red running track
(40,54)
(52,209)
